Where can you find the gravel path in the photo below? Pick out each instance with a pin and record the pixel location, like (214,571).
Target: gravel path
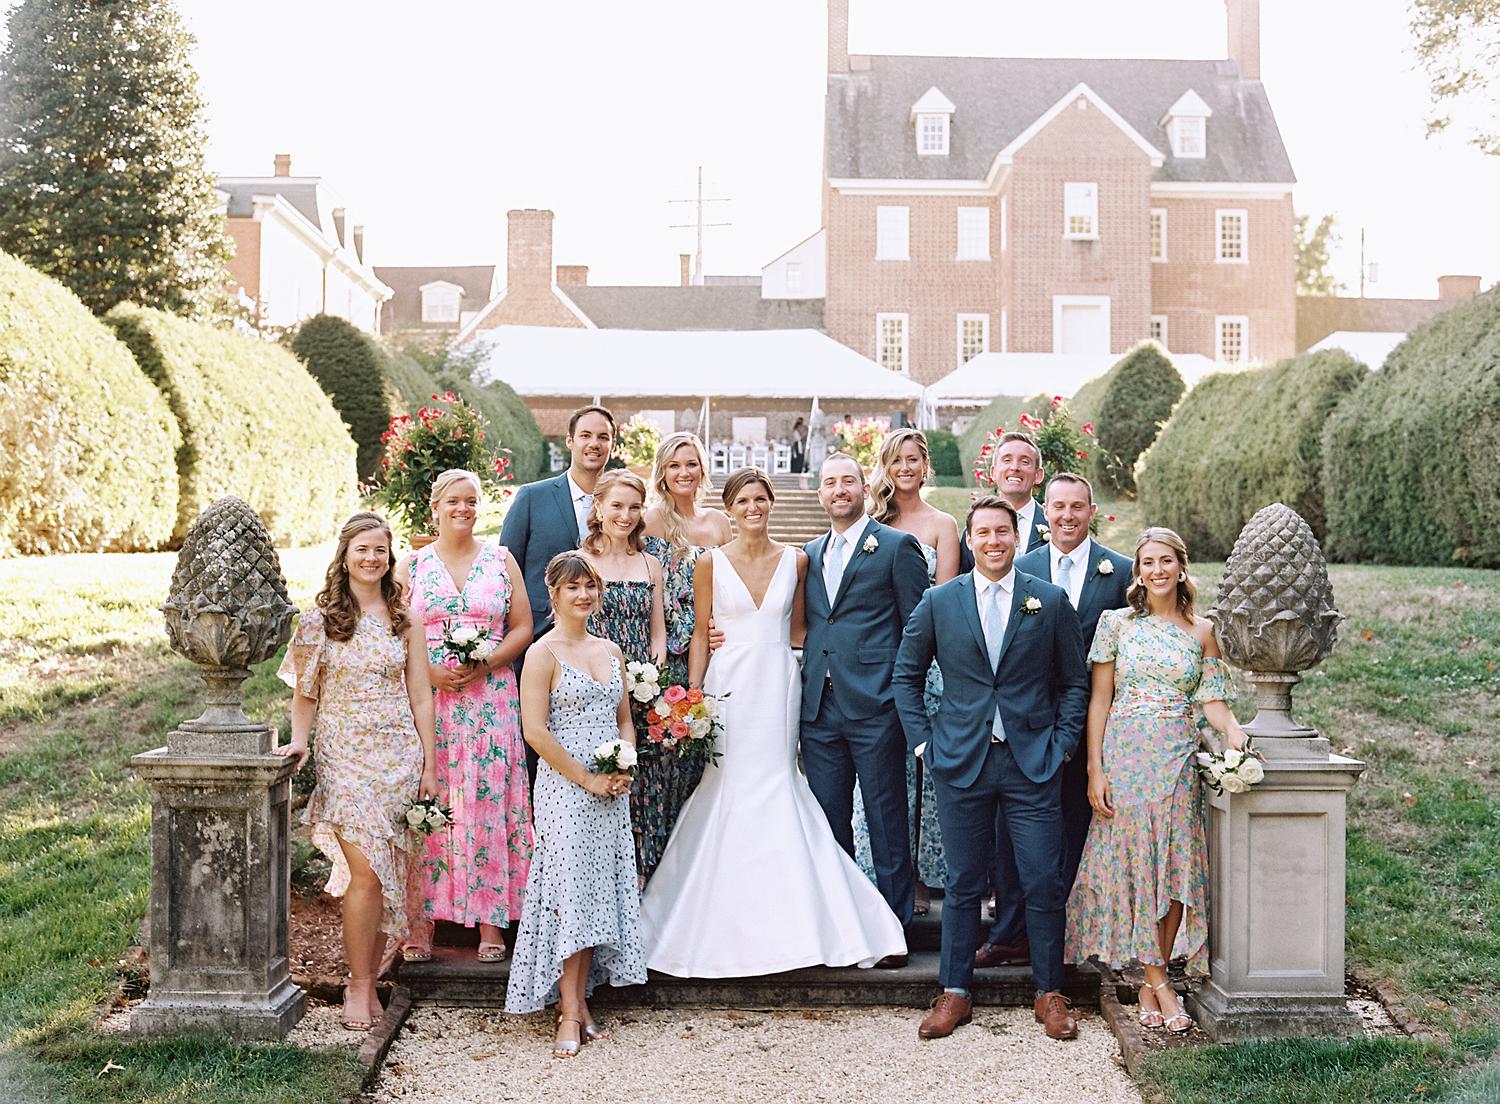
(464,1056)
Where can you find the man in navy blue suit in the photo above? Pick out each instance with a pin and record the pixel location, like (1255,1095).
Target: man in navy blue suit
(551,515)
(1095,578)
(1015,695)
(863,581)
(1016,470)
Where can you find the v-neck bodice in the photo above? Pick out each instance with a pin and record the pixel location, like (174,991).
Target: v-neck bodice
(735,611)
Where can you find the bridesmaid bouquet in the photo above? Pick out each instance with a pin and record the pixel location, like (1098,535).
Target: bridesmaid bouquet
(424,815)
(642,682)
(469,643)
(686,721)
(614,757)
(1233,771)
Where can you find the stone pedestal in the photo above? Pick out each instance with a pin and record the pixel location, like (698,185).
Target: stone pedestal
(220,879)
(1276,932)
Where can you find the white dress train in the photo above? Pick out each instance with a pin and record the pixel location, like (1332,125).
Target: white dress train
(752,881)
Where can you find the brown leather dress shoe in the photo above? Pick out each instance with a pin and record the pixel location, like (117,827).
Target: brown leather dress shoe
(949,1010)
(1003,954)
(1051,1010)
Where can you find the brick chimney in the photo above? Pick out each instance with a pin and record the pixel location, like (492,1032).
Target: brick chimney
(1458,287)
(283,164)
(528,249)
(1244,36)
(572,275)
(838,36)
(685,263)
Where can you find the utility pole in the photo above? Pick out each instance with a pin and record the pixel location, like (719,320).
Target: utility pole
(1361,262)
(699,225)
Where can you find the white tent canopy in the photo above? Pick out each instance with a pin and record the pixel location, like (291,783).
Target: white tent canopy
(768,364)
(990,375)
(1370,348)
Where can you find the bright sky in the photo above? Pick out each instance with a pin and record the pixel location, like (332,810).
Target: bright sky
(430,120)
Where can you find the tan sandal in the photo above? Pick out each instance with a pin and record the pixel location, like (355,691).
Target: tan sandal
(492,952)
(352,1024)
(1181,1016)
(567,1048)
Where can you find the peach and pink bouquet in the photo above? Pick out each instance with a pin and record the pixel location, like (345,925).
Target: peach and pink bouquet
(687,722)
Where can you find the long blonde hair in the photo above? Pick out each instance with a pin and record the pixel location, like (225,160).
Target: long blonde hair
(594,542)
(1187,592)
(883,486)
(672,520)
(336,600)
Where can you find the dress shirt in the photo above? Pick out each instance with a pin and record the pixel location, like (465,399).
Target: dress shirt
(853,536)
(1025,521)
(1078,572)
(582,500)
(985,592)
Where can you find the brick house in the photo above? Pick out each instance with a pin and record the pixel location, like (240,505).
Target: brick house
(1055,205)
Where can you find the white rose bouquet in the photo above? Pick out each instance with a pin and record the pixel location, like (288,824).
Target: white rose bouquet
(642,682)
(425,815)
(1232,771)
(469,643)
(614,757)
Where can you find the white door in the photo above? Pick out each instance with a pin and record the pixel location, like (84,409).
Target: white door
(1080,324)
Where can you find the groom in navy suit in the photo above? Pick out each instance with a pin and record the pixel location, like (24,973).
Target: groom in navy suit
(863,581)
(1095,578)
(1015,696)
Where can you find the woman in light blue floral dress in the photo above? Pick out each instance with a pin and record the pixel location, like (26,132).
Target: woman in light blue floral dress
(678,528)
(1142,887)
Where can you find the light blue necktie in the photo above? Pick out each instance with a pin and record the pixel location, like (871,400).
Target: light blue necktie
(833,570)
(994,637)
(1065,575)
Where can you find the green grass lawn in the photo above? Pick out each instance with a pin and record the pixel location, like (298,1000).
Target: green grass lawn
(86,681)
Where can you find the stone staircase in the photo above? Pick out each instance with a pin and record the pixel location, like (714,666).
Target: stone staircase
(455,977)
(798,517)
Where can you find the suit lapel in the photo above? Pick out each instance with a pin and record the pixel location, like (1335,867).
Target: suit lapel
(815,549)
(970,614)
(1018,592)
(1091,579)
(857,556)
(564,500)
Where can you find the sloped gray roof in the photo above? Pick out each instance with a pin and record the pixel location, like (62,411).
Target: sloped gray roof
(300,193)
(404,311)
(704,307)
(1321,315)
(870,134)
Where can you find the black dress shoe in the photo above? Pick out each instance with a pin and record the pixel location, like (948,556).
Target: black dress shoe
(892,962)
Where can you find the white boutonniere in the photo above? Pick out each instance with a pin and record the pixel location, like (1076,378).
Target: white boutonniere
(1106,567)
(1045,532)
(870,543)
(1031,604)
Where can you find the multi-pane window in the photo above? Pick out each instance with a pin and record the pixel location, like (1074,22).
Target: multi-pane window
(1189,136)
(891,227)
(973,233)
(1159,329)
(932,134)
(794,275)
(1234,339)
(1233,244)
(973,336)
(1158,233)
(890,341)
(440,304)
(1080,210)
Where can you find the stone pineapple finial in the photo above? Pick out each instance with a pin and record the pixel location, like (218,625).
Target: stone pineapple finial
(227,609)
(1275,615)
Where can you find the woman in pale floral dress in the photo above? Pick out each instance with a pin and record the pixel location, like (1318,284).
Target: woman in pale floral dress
(1142,888)
(631,615)
(582,924)
(679,526)
(358,668)
(474,871)
(903,469)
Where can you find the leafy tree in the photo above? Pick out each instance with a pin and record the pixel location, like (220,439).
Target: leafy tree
(102,180)
(1458,43)
(1313,277)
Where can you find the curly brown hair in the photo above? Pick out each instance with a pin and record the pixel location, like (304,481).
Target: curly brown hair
(1187,591)
(336,600)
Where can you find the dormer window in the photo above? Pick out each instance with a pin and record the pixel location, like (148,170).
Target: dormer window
(1187,126)
(441,301)
(933,115)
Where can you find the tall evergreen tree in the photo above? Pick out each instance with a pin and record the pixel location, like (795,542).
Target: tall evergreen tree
(102,180)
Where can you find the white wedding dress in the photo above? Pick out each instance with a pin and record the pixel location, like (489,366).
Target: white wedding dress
(752,881)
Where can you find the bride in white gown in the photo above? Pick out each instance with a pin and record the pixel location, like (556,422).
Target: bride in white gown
(752,881)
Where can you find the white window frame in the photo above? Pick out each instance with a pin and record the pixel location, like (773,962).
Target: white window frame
(1243,321)
(1061,301)
(938,148)
(794,275)
(1004,330)
(984,336)
(1189,137)
(1159,330)
(1004,223)
(978,238)
(440,296)
(1244,217)
(881,319)
(892,223)
(1158,219)
(1076,203)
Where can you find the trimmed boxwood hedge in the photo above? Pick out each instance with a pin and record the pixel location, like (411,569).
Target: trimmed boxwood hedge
(253,423)
(87,442)
(942,448)
(1240,441)
(1141,391)
(1412,459)
(352,369)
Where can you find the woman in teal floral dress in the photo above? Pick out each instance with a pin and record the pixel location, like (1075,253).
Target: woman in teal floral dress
(678,527)
(631,615)
(1142,888)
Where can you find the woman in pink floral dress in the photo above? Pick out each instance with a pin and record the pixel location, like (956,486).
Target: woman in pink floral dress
(474,871)
(1142,888)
